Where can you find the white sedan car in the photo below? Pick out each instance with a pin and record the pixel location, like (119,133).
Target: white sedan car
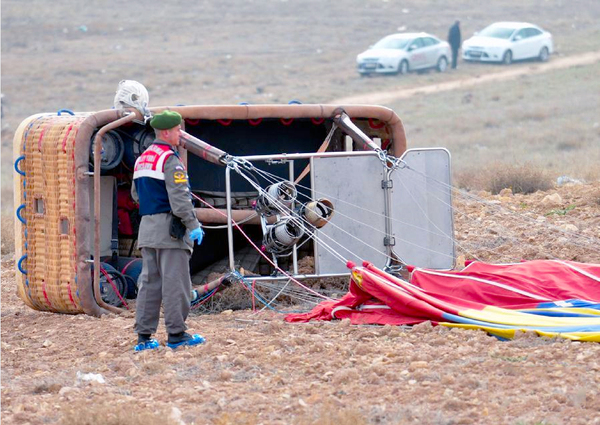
(401,53)
(507,42)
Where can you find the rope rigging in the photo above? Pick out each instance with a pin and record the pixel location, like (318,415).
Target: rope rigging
(437,190)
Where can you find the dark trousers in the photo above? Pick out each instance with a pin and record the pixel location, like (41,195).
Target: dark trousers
(165,279)
(454,57)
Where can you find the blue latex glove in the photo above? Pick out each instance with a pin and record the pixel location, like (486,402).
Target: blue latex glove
(197,235)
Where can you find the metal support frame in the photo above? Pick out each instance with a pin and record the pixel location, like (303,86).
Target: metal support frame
(290,158)
(394,262)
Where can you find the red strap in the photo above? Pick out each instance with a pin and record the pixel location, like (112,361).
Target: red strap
(64,142)
(45,294)
(71,295)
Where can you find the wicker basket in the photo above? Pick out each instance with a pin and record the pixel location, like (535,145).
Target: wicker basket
(55,230)
(45,195)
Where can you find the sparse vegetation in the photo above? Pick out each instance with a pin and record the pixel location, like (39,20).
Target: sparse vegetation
(524,179)
(114,414)
(8,235)
(536,120)
(332,415)
(237,419)
(561,211)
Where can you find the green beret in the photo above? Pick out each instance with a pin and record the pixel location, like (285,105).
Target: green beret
(166,120)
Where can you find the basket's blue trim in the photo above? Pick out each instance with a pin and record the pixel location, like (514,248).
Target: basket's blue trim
(19,159)
(21,219)
(68,111)
(294,102)
(20,265)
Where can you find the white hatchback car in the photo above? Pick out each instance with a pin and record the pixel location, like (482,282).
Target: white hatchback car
(401,53)
(507,42)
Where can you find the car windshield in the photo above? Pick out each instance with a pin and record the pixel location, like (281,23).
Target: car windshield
(497,32)
(392,43)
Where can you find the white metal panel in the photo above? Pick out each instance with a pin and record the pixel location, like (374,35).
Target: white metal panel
(357,228)
(422,209)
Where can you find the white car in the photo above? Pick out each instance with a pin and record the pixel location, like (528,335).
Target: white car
(506,42)
(401,53)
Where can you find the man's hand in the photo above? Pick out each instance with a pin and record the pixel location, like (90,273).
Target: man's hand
(197,235)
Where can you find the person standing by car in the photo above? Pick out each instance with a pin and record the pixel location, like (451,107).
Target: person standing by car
(167,231)
(454,41)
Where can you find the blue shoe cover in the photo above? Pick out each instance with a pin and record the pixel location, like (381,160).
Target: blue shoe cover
(146,345)
(195,340)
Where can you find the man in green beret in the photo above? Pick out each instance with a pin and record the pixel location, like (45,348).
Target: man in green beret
(166,236)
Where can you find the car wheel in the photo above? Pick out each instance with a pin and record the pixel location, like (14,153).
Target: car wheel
(403,67)
(507,58)
(543,57)
(442,64)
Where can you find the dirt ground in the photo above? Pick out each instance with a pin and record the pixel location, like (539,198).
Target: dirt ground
(255,368)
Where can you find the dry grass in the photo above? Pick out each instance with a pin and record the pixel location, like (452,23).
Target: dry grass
(329,414)
(115,414)
(549,121)
(237,419)
(8,233)
(524,179)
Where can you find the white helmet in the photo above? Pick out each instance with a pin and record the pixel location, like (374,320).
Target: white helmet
(131,94)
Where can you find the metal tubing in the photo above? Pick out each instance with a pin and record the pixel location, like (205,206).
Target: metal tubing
(82,206)
(97,158)
(219,216)
(202,149)
(294,248)
(387,210)
(247,112)
(293,156)
(207,287)
(345,123)
(313,195)
(229,222)
(297,277)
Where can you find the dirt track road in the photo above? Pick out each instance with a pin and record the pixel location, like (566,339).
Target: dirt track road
(378,98)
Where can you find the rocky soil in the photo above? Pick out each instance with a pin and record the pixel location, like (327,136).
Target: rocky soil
(255,368)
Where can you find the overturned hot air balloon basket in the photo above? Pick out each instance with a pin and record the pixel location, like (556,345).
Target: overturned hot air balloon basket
(288,176)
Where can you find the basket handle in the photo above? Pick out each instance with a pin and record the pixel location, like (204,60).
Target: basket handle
(21,219)
(17,161)
(20,264)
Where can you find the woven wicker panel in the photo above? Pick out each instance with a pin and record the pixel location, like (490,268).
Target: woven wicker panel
(48,236)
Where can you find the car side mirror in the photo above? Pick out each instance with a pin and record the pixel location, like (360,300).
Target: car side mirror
(518,37)
(411,48)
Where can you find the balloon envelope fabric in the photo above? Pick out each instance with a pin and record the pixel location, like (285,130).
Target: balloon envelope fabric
(550,297)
